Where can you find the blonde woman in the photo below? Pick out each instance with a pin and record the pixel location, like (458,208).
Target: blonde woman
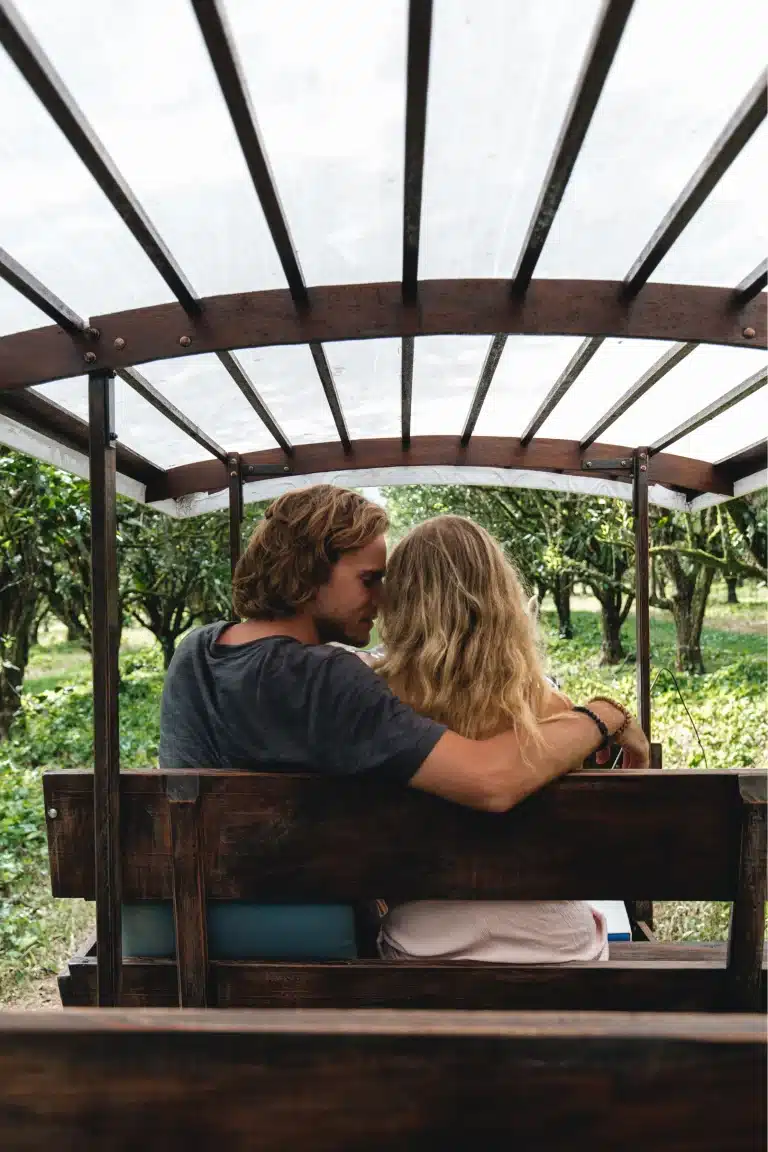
(460,646)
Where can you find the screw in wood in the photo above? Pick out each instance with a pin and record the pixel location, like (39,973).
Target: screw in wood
(184,341)
(749,333)
(119,343)
(89,357)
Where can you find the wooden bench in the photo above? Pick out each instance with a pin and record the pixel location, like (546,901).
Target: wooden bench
(340,1081)
(277,838)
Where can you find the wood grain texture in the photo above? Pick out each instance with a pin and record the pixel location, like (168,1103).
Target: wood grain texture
(637,978)
(331,1082)
(541,454)
(273,837)
(747,929)
(366,311)
(189,918)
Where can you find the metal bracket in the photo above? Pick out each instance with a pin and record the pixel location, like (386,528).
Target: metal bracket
(623,464)
(259,471)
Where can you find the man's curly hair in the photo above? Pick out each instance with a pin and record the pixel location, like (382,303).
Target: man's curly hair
(292,551)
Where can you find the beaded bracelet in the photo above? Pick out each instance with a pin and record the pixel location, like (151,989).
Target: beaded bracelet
(619,708)
(606,736)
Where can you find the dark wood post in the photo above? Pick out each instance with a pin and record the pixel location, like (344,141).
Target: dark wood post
(235,509)
(747,929)
(189,915)
(106,631)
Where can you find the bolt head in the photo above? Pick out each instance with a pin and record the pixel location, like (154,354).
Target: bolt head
(184,341)
(90,357)
(52,813)
(233,474)
(587,463)
(119,343)
(92,332)
(286,468)
(749,333)
(643,467)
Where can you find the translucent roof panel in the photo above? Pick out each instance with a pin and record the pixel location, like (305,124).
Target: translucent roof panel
(728,434)
(445,374)
(615,366)
(285,378)
(16,313)
(501,76)
(328,83)
(702,377)
(527,370)
(139,426)
(367,378)
(680,73)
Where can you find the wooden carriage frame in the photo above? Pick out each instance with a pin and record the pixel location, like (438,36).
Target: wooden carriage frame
(108,345)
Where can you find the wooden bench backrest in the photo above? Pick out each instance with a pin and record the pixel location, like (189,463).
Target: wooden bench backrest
(278,838)
(272,837)
(330,1081)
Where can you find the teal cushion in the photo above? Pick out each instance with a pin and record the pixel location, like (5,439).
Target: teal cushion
(239,930)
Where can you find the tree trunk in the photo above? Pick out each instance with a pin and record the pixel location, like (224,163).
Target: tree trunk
(731,585)
(17,618)
(561,594)
(168,645)
(688,606)
(611,648)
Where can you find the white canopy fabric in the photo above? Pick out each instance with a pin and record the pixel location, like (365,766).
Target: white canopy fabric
(327,83)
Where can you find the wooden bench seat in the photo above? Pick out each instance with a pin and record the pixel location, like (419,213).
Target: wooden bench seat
(341,1081)
(278,838)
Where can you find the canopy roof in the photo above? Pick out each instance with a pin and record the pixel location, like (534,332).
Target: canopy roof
(489,242)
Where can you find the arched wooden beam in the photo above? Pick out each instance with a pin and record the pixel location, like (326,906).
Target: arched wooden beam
(676,312)
(433,451)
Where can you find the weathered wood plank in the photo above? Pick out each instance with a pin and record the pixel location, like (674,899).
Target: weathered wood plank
(275,837)
(339,1081)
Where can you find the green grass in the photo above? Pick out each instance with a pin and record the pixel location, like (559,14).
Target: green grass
(37,933)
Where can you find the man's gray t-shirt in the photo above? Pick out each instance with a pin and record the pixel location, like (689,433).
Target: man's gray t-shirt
(279,705)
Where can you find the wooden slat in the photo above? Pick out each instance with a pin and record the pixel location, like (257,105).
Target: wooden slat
(428,451)
(747,929)
(672,835)
(322,1082)
(189,917)
(638,977)
(368,311)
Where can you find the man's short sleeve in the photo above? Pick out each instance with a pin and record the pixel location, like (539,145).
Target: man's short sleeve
(357,725)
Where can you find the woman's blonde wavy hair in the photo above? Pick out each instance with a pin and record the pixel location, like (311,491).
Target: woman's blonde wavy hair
(460,644)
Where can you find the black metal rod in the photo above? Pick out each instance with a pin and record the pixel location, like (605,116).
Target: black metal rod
(235,485)
(642,588)
(30,287)
(105,640)
(235,369)
(737,132)
(53,94)
(568,376)
(655,373)
(407,345)
(600,53)
(148,392)
(751,285)
(331,395)
(419,40)
(487,372)
(752,384)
